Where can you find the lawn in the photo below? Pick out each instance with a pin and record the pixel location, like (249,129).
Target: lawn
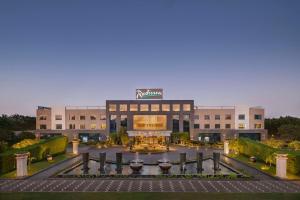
(152,196)
(38,166)
(261,166)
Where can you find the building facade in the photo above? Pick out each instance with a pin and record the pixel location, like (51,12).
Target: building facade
(151,120)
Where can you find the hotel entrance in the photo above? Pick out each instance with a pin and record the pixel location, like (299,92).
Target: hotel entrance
(152,140)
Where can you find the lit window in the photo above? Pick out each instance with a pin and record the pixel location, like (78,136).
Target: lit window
(241,117)
(82,126)
(257,126)
(206,117)
(228,126)
(165,107)
(58,126)
(228,116)
(186,107)
(112,107)
(206,126)
(93,126)
(154,107)
(217,117)
(82,117)
(102,126)
(257,117)
(176,107)
(241,126)
(58,117)
(217,126)
(123,107)
(133,107)
(144,107)
(93,117)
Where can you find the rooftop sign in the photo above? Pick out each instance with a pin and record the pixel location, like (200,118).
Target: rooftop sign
(149,93)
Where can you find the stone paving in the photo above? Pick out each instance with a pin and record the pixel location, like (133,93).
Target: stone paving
(142,185)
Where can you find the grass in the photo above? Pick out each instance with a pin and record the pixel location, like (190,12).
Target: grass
(140,195)
(38,166)
(261,166)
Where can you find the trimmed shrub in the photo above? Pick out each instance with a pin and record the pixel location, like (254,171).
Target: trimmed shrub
(275,143)
(181,137)
(295,145)
(38,152)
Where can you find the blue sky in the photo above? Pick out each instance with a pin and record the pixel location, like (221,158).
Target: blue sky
(68,52)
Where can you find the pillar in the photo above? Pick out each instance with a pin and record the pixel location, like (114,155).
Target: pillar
(21,159)
(75,143)
(102,159)
(226,147)
(281,161)
(216,159)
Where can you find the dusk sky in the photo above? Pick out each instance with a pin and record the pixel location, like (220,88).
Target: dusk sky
(68,52)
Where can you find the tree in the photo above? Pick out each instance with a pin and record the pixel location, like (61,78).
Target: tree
(26,135)
(8,136)
(289,131)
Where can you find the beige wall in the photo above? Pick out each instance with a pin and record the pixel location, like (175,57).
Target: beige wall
(259,111)
(43,112)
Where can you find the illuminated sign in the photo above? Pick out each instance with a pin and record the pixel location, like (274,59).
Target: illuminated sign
(149,122)
(149,93)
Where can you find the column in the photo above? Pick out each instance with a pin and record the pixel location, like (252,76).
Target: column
(226,147)
(21,159)
(75,143)
(281,160)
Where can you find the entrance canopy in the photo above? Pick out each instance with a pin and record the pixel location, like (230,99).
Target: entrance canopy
(149,133)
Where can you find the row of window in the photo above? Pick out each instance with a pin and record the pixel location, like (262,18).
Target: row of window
(227,117)
(83,117)
(82,126)
(227,126)
(149,107)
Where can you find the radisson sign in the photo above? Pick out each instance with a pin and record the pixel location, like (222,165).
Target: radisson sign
(149,93)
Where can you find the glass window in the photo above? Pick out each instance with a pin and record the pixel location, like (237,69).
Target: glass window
(71,126)
(93,126)
(217,117)
(102,117)
(154,107)
(186,107)
(228,116)
(257,117)
(43,126)
(241,126)
(227,125)
(82,117)
(82,126)
(43,117)
(196,125)
(112,107)
(123,107)
(93,117)
(72,117)
(206,126)
(176,107)
(217,126)
(186,123)
(196,117)
(144,107)
(133,107)
(113,123)
(58,117)
(124,121)
(165,107)
(206,117)
(257,126)
(58,126)
(241,117)
(175,123)
(102,126)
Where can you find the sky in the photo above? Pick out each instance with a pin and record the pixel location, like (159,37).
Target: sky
(218,53)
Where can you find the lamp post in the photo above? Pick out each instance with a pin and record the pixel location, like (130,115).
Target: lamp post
(226,147)
(75,143)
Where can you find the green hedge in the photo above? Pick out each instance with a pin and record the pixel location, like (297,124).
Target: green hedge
(180,137)
(263,153)
(39,151)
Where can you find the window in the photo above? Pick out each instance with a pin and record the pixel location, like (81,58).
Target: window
(72,117)
(123,107)
(93,117)
(102,126)
(196,125)
(165,107)
(43,117)
(58,126)
(228,126)
(257,117)
(71,126)
(241,126)
(175,123)
(124,121)
(82,126)
(217,126)
(144,107)
(112,107)
(257,126)
(133,107)
(82,117)
(93,126)
(206,126)
(228,116)
(154,107)
(206,117)
(112,123)
(241,117)
(176,107)
(102,117)
(43,126)
(196,117)
(217,117)
(58,117)
(186,107)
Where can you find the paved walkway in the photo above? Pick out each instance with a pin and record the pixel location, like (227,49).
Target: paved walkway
(125,185)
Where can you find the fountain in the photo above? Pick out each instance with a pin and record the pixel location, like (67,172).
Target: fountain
(136,164)
(102,159)
(164,164)
(199,160)
(119,162)
(182,161)
(85,160)
(216,158)
(164,159)
(137,159)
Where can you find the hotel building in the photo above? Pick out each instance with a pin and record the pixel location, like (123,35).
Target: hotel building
(152,119)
